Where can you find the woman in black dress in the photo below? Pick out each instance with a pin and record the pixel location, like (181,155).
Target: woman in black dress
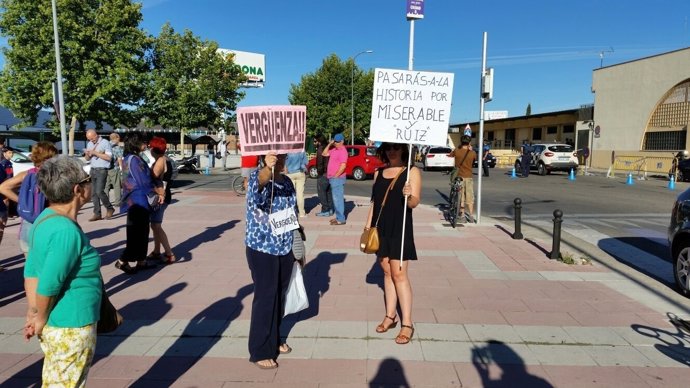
(396,283)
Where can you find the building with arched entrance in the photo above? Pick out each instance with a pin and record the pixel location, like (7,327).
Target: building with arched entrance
(642,111)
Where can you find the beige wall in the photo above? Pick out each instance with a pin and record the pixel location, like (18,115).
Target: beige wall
(625,98)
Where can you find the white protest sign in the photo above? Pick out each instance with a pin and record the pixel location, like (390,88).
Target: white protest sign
(411,106)
(278,128)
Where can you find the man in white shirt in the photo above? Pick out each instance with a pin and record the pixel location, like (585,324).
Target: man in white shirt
(99,153)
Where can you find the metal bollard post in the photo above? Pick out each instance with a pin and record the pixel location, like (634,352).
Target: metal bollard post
(556,247)
(518,219)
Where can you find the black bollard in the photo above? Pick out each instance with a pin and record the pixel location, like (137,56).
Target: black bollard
(518,219)
(556,247)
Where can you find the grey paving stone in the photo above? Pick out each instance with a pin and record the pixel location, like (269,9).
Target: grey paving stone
(126,346)
(379,349)
(524,275)
(504,353)
(205,328)
(346,329)
(645,336)
(618,356)
(489,275)
(560,276)
(181,347)
(595,335)
(229,347)
(344,349)
(483,333)
(447,351)
(543,334)
(12,325)
(237,329)
(302,348)
(566,355)
(476,261)
(145,327)
(667,356)
(15,344)
(441,332)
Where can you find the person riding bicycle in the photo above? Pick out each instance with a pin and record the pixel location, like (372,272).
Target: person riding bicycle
(464,158)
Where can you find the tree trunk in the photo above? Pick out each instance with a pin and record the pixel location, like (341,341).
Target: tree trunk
(70,135)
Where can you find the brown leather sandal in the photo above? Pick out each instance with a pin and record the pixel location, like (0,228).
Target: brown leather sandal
(381,328)
(402,339)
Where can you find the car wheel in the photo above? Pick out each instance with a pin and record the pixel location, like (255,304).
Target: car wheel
(541,169)
(313,172)
(681,271)
(358,174)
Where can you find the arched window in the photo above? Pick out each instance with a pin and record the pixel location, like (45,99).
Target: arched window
(668,125)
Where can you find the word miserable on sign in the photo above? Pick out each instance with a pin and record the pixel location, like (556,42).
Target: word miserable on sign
(272,128)
(411,106)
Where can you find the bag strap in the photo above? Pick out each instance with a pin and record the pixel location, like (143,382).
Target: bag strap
(385,197)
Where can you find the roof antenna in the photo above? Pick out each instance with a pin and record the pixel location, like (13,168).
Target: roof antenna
(601,56)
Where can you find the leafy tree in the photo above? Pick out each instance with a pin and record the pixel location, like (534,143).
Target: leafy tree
(528,111)
(102,53)
(327,94)
(191,84)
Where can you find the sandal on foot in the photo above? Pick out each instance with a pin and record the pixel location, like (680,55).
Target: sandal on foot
(154,256)
(336,222)
(284,349)
(266,364)
(381,328)
(145,264)
(402,339)
(168,258)
(125,267)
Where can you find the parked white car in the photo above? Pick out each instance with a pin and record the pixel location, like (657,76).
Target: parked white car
(437,157)
(550,157)
(20,162)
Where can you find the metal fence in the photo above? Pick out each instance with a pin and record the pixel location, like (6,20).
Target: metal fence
(640,165)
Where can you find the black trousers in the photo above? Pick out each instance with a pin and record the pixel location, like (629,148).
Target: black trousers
(525,165)
(271,276)
(137,234)
(98,195)
(323,189)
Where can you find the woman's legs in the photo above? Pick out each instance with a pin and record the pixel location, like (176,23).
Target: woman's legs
(68,355)
(404,292)
(390,295)
(160,239)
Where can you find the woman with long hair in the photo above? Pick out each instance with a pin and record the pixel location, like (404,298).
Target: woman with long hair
(162,175)
(136,185)
(400,196)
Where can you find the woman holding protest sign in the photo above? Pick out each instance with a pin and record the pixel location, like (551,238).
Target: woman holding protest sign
(271,200)
(392,195)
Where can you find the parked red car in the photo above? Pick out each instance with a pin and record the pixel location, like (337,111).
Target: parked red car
(361,162)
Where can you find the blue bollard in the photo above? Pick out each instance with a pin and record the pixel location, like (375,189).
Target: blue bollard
(629,181)
(571,176)
(672,183)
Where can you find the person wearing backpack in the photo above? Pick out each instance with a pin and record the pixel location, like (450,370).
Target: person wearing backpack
(23,189)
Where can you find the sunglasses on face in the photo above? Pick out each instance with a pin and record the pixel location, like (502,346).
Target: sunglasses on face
(393,147)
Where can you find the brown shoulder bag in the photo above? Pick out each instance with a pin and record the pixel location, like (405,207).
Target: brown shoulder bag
(369,240)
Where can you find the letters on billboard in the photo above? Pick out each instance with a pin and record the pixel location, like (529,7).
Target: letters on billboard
(278,128)
(411,106)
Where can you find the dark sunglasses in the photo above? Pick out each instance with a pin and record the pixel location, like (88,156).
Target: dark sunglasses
(394,147)
(85,180)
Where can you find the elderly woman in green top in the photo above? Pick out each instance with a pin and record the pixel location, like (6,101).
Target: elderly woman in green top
(62,277)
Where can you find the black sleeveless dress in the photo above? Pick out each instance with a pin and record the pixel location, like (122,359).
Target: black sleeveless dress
(391,221)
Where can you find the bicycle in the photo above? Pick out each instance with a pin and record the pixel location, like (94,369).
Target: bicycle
(453,198)
(238,185)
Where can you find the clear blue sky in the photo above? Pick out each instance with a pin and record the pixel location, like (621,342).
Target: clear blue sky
(543,51)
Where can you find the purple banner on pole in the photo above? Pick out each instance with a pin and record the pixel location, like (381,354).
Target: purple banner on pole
(415,9)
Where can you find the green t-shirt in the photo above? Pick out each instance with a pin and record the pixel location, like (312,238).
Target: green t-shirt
(67,266)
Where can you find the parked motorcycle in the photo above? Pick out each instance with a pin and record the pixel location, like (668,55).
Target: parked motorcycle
(188,165)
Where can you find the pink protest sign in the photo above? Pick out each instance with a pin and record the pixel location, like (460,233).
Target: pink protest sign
(278,128)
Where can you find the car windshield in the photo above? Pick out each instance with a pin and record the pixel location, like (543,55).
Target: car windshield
(439,150)
(561,148)
(20,158)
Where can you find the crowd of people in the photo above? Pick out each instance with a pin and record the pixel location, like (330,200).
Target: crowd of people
(275,191)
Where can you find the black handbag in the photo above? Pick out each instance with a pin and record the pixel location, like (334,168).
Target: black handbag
(110,318)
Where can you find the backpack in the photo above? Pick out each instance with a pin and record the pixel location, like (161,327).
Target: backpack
(31,200)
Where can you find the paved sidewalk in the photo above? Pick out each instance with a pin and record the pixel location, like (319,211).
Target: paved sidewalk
(488,311)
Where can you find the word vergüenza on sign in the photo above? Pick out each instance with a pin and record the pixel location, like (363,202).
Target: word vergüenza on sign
(411,106)
(279,128)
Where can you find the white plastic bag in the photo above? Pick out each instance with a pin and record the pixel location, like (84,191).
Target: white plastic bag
(296,295)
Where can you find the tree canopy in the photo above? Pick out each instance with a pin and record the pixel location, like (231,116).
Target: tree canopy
(102,52)
(191,84)
(327,94)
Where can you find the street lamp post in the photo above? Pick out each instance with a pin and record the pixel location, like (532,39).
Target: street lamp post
(352,96)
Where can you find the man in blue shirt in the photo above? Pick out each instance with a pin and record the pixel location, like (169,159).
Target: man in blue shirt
(526,158)
(99,153)
(296,166)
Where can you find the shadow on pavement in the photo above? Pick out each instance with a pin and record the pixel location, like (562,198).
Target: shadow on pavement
(675,346)
(198,337)
(12,285)
(651,259)
(183,250)
(512,367)
(390,374)
(317,281)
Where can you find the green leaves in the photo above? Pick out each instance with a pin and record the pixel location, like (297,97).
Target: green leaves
(328,95)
